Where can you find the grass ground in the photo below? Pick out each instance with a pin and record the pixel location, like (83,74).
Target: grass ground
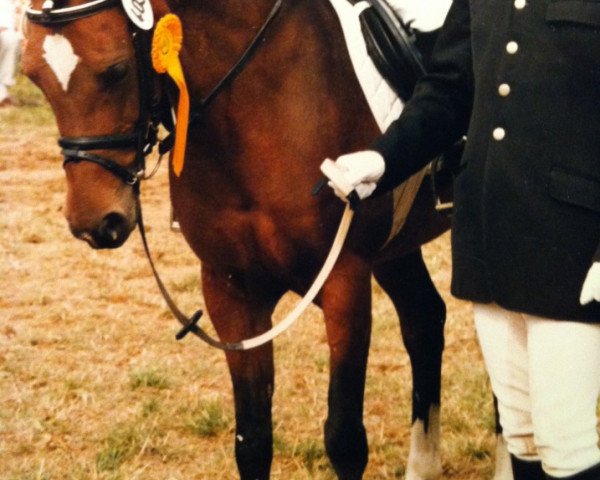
(93,384)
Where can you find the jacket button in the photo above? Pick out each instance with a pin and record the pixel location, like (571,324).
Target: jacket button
(512,47)
(504,89)
(498,133)
(520,4)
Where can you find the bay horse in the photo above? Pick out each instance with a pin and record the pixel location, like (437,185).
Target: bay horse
(243,199)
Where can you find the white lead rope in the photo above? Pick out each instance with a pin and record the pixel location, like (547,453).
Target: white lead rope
(302,305)
(332,172)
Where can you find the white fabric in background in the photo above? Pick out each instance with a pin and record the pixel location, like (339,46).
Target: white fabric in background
(8,15)
(10,42)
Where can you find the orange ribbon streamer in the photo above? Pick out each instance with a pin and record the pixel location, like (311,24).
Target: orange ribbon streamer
(166,45)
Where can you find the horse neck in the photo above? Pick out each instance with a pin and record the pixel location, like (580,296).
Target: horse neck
(237,13)
(215,34)
(230,13)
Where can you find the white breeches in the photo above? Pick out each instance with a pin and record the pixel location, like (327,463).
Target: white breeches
(546,376)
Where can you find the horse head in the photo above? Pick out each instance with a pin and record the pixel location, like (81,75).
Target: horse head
(93,64)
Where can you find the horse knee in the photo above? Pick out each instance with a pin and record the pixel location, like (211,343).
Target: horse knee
(346,446)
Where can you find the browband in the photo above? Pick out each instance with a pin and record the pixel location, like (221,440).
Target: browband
(49,15)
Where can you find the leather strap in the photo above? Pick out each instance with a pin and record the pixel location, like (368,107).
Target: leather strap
(51,16)
(128,176)
(238,66)
(118,142)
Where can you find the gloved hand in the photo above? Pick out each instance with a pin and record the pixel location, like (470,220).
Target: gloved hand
(591,285)
(359,170)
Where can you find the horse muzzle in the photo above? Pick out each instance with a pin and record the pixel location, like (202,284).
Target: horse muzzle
(112,232)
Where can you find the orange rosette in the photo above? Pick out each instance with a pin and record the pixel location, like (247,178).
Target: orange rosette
(166,45)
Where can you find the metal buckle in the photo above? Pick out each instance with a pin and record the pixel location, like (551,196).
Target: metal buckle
(440,205)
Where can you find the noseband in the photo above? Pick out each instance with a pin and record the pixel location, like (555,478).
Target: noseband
(144,137)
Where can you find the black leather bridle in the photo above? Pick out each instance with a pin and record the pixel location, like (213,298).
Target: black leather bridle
(144,137)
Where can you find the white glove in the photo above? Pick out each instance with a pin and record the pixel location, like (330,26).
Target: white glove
(359,171)
(591,285)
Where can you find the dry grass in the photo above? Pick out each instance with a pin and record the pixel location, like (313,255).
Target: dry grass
(93,384)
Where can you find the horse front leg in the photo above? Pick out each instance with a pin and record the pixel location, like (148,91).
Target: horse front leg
(422,315)
(346,303)
(239,309)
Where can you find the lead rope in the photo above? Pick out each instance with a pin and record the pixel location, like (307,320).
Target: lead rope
(190,324)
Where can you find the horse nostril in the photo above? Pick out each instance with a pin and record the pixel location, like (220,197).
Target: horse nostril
(112,232)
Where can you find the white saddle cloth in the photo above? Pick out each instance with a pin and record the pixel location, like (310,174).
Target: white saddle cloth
(386,106)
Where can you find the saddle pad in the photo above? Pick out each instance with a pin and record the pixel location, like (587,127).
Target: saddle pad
(383,101)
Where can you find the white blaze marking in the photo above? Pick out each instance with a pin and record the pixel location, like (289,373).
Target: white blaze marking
(60,56)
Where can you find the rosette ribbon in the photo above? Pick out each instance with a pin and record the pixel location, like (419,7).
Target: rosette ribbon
(166,45)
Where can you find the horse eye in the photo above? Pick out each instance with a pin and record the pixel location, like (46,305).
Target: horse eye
(114,74)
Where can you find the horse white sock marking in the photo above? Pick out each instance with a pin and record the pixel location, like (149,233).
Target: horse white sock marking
(424,462)
(60,56)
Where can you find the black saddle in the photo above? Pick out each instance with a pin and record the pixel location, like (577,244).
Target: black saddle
(402,55)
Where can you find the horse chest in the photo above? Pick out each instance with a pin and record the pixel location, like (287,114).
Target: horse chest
(244,240)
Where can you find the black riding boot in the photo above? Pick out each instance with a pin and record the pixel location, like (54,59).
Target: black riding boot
(592,473)
(523,470)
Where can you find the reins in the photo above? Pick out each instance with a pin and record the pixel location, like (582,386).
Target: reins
(243,60)
(199,107)
(143,140)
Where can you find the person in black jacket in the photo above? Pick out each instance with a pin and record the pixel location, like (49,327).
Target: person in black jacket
(521,79)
